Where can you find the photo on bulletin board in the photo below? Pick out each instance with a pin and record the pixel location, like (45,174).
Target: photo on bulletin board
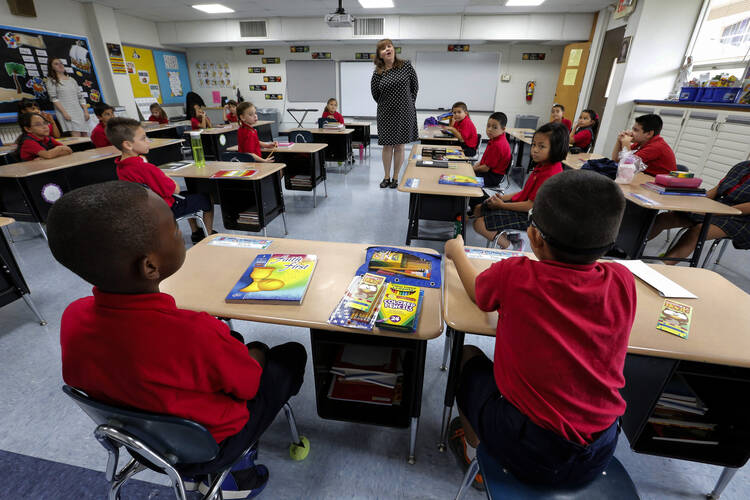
(624,50)
(25,55)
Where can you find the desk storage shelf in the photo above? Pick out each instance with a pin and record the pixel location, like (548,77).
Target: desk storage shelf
(236,199)
(307,173)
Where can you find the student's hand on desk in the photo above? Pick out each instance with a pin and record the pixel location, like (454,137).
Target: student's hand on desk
(275,144)
(454,247)
(269,159)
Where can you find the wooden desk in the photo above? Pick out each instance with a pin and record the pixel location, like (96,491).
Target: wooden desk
(435,136)
(211,271)
(216,140)
(7,152)
(433,201)
(576,161)
(361,131)
(339,141)
(12,284)
(261,192)
(28,189)
(715,359)
(173,130)
(417,150)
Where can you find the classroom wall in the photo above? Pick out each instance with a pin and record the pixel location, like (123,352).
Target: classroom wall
(510,96)
(137,31)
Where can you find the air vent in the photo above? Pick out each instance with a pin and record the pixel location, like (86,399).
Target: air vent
(368,26)
(253,29)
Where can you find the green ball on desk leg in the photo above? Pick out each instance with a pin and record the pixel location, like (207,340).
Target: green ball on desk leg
(299,451)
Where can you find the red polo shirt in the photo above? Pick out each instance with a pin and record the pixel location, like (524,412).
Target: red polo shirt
(657,155)
(136,169)
(567,123)
(99,136)
(583,138)
(141,351)
(541,173)
(247,139)
(468,132)
(562,336)
(497,155)
(33,144)
(195,123)
(154,118)
(231,118)
(337,116)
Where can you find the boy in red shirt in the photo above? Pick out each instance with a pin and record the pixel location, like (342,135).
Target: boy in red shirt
(129,344)
(496,158)
(230,112)
(104,112)
(548,407)
(330,111)
(648,145)
(35,141)
(247,136)
(463,129)
(557,115)
(128,136)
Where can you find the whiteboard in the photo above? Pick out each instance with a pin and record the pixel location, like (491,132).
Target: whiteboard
(356,99)
(447,77)
(310,81)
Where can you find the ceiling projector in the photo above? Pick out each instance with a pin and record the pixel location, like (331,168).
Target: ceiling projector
(339,18)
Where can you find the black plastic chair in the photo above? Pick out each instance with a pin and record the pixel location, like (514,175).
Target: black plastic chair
(236,156)
(682,168)
(160,443)
(300,136)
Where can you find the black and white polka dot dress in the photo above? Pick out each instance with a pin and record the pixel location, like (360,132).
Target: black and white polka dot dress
(395,91)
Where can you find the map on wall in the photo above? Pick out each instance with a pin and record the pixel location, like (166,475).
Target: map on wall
(24,59)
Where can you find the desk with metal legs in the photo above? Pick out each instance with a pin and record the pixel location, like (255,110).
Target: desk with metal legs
(12,284)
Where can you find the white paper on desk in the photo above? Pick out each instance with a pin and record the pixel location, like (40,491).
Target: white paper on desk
(665,286)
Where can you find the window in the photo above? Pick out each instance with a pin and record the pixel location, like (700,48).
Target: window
(723,38)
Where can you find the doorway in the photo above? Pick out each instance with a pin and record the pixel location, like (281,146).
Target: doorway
(604,69)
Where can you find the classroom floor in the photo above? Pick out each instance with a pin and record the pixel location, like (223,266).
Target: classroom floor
(346,460)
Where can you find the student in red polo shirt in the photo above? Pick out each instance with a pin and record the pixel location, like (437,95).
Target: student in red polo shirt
(128,136)
(463,129)
(198,118)
(549,147)
(557,115)
(648,145)
(129,344)
(582,135)
(35,141)
(230,112)
(496,158)
(104,112)
(31,106)
(158,114)
(331,111)
(547,408)
(247,136)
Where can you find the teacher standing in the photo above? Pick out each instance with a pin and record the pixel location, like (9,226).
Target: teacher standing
(68,99)
(394,87)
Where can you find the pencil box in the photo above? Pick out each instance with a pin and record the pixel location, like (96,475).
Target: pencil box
(669,181)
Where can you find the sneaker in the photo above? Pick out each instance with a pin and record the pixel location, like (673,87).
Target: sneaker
(241,484)
(385,183)
(393,184)
(457,443)
(516,242)
(191,483)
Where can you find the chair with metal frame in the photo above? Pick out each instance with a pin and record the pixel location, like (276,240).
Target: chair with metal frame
(724,243)
(300,136)
(198,218)
(160,443)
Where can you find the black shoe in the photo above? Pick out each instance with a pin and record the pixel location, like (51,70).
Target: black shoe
(393,184)
(385,183)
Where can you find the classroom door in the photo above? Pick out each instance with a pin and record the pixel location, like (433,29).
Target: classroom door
(572,69)
(604,70)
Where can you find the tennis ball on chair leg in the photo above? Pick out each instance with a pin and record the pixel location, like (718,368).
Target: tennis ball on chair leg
(299,451)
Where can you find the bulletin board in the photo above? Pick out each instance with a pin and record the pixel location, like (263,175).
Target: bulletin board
(24,54)
(174,76)
(139,64)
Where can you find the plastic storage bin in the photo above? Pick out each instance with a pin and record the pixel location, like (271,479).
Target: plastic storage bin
(527,121)
(270,114)
(689,93)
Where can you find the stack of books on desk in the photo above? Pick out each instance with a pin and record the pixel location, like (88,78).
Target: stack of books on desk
(248,217)
(680,191)
(333,125)
(300,181)
(364,374)
(434,153)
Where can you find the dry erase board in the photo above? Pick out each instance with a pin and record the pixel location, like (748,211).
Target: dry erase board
(447,77)
(356,99)
(24,54)
(310,81)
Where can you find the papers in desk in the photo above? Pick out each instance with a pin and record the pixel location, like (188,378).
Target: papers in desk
(367,374)
(665,286)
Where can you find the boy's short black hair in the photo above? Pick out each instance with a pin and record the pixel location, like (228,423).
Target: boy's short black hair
(557,105)
(461,105)
(121,129)
(499,117)
(100,108)
(650,123)
(579,214)
(232,102)
(100,230)
(558,140)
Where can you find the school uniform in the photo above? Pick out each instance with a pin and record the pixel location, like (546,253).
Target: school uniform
(336,116)
(497,156)
(567,123)
(501,219)
(195,124)
(51,129)
(160,120)
(99,136)
(548,406)
(583,138)
(657,155)
(29,146)
(247,140)
(231,118)
(469,134)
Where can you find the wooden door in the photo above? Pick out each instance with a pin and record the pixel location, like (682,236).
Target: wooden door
(572,69)
(607,57)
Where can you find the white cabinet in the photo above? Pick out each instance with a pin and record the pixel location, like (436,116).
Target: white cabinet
(730,146)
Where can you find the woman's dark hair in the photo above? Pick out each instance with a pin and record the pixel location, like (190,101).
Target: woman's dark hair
(558,140)
(595,117)
(380,62)
(191,99)
(51,73)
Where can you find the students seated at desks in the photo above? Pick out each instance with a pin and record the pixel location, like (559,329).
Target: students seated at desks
(496,158)
(158,114)
(129,136)
(247,136)
(129,345)
(230,112)
(549,147)
(104,112)
(648,145)
(583,134)
(35,141)
(330,111)
(31,106)
(733,190)
(463,129)
(198,117)
(547,408)
(557,116)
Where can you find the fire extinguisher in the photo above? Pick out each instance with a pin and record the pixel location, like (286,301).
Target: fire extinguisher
(530,90)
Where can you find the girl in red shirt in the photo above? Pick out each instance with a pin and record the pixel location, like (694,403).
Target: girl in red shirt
(198,117)
(247,136)
(35,141)
(230,112)
(331,106)
(158,114)
(29,106)
(582,135)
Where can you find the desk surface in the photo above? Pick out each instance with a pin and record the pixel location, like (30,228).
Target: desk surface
(330,131)
(356,123)
(223,129)
(522,134)
(699,204)
(576,161)
(417,150)
(154,126)
(34,167)
(4,221)
(67,141)
(435,134)
(263,170)
(429,177)
(716,334)
(296,147)
(210,272)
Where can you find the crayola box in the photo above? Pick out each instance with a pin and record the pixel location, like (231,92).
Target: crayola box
(274,278)
(400,308)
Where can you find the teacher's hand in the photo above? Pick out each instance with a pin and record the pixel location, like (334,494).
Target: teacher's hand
(85,115)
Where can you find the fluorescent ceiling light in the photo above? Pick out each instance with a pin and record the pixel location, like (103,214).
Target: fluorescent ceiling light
(213,8)
(376,4)
(523,3)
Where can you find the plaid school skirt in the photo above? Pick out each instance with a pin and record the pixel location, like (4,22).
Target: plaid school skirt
(500,220)
(737,227)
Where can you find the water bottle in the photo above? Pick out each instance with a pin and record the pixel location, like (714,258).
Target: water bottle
(361,151)
(197,146)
